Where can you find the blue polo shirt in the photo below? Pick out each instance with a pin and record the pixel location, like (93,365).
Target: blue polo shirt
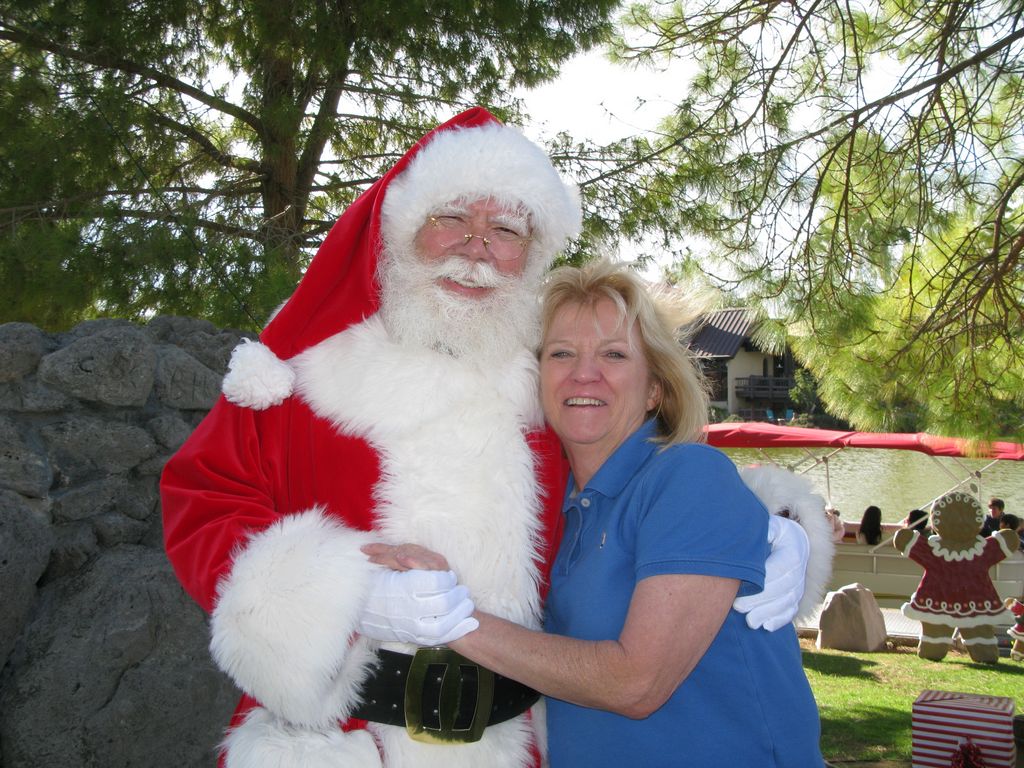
(646,512)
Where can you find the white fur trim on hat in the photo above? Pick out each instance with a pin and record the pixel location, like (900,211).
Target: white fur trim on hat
(494,161)
(256,377)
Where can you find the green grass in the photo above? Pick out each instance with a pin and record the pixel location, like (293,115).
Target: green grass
(865,699)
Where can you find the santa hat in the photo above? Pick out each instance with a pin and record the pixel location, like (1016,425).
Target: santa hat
(490,161)
(469,157)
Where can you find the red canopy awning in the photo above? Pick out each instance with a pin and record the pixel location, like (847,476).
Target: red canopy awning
(761,435)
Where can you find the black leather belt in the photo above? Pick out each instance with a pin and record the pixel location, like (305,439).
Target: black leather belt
(440,696)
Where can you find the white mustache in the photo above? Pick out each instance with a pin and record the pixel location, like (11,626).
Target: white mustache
(478,273)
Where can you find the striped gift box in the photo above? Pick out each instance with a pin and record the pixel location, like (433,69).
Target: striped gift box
(943,720)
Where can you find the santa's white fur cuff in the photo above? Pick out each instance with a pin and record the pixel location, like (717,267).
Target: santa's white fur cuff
(285,615)
(264,741)
(782,490)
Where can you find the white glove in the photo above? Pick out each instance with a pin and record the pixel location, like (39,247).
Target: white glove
(418,607)
(784,574)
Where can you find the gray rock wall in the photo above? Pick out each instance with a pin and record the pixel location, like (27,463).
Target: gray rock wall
(104,658)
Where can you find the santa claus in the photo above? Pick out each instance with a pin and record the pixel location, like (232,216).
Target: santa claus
(392,398)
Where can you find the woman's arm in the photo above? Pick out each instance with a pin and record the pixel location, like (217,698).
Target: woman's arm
(672,619)
(671,622)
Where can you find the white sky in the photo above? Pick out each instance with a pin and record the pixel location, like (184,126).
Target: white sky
(598,100)
(601,101)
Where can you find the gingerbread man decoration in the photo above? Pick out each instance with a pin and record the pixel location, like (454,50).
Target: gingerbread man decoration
(956,592)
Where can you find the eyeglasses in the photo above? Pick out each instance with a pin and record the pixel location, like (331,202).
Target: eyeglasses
(500,241)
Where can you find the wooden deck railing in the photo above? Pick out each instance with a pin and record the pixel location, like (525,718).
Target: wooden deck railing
(774,388)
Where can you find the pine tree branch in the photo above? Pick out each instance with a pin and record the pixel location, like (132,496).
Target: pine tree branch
(106,60)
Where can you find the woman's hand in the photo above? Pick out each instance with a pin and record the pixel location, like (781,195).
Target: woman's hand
(405,557)
(418,600)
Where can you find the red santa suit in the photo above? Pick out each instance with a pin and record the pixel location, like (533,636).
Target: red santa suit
(330,435)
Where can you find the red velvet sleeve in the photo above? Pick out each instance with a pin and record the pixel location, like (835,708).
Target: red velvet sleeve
(215,491)
(242,469)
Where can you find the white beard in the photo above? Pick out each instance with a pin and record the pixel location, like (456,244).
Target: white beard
(417,311)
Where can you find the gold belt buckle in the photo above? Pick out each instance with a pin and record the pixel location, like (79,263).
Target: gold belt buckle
(452,669)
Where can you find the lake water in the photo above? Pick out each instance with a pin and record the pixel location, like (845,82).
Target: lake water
(895,481)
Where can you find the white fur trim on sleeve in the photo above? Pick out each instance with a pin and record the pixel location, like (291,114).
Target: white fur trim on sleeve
(285,615)
(781,490)
(256,377)
(264,741)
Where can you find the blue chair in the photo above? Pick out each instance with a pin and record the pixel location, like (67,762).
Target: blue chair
(769,415)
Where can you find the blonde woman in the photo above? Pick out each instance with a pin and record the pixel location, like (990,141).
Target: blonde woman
(643,660)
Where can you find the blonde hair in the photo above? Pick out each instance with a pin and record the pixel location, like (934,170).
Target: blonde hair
(682,412)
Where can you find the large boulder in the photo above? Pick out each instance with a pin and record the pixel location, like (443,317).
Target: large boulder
(22,346)
(23,468)
(114,672)
(851,620)
(183,382)
(104,659)
(25,544)
(85,447)
(114,367)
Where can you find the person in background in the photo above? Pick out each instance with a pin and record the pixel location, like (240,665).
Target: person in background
(917,520)
(838,529)
(996,507)
(1010,522)
(641,639)
(870,531)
